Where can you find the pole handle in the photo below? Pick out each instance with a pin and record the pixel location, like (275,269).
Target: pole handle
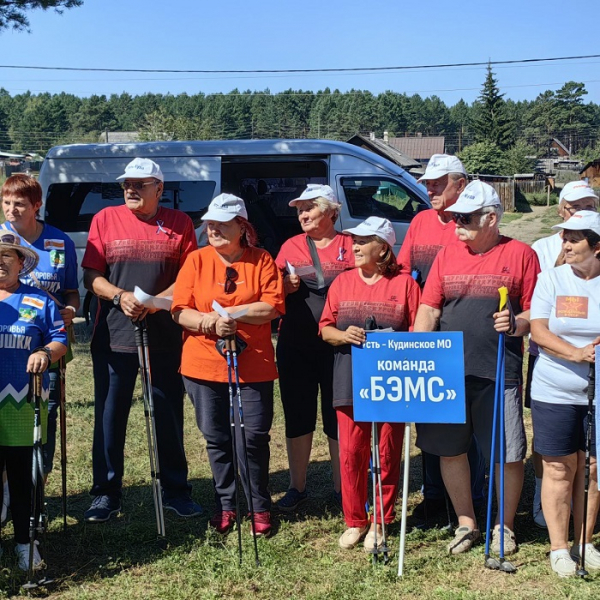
(503,291)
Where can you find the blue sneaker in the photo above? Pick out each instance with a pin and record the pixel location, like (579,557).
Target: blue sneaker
(292,500)
(102,509)
(183,506)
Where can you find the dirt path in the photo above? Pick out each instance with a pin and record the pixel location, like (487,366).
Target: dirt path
(531,226)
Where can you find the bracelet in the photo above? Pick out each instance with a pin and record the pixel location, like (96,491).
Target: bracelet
(72,308)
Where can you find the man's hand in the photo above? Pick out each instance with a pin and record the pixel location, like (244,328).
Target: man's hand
(291,283)
(504,322)
(131,307)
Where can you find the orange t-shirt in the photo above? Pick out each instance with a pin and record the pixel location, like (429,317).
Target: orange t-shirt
(202,280)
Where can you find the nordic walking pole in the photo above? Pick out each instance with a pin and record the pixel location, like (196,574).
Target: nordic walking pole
(375,549)
(581,572)
(62,366)
(236,474)
(383,545)
(36,518)
(234,353)
(141,340)
(404,498)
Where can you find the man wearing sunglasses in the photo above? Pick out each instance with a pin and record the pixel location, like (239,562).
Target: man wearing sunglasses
(429,232)
(138,243)
(461,294)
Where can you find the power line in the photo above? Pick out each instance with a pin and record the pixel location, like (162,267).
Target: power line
(321,70)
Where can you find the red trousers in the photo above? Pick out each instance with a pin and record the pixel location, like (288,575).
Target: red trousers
(355,449)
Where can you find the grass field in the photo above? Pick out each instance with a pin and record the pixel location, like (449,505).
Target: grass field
(122,559)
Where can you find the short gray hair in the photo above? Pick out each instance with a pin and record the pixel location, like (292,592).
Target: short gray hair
(496,208)
(326,206)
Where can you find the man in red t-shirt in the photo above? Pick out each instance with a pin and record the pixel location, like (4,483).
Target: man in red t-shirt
(429,232)
(461,294)
(139,243)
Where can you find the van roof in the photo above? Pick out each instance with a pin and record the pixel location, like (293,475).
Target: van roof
(216,148)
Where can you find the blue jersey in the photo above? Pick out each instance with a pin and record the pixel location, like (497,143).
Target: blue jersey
(57,268)
(28,319)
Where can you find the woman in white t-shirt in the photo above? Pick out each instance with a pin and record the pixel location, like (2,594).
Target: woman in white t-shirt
(565,324)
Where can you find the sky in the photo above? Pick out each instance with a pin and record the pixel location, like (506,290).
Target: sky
(312,34)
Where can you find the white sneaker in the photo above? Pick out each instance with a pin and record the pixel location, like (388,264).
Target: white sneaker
(5,503)
(562,564)
(592,556)
(22,551)
(538,517)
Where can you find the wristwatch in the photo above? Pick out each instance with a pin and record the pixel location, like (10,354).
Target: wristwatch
(117,300)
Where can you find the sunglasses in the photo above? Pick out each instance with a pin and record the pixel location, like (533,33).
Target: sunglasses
(136,185)
(465,218)
(231,276)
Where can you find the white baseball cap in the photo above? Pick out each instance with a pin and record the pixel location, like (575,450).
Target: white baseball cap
(475,196)
(140,168)
(583,219)
(225,207)
(316,190)
(375,226)
(577,190)
(442,164)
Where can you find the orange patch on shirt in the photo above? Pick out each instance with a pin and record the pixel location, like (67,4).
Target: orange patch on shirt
(572,307)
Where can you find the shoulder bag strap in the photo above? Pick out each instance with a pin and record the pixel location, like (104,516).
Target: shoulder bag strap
(316,262)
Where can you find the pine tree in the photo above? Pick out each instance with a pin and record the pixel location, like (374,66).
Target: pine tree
(492,122)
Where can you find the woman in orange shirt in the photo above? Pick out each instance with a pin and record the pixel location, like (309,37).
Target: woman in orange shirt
(232,271)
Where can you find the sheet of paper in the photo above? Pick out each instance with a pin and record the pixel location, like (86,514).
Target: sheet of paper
(291,268)
(304,271)
(162,303)
(235,315)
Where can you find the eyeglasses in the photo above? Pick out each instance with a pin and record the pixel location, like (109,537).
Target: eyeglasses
(465,218)
(231,276)
(137,185)
(573,209)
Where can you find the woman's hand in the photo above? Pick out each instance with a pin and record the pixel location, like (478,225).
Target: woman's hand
(587,353)
(68,314)
(354,335)
(291,283)
(208,323)
(38,362)
(225,327)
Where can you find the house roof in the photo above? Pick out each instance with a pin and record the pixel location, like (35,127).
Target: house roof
(595,162)
(561,145)
(385,150)
(420,148)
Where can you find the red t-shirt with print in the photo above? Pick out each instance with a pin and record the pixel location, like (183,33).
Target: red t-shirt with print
(305,306)
(130,252)
(393,303)
(425,237)
(464,286)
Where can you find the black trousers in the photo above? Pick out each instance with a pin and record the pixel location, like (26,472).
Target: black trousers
(211,403)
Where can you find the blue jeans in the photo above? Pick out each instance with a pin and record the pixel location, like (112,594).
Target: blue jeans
(114,381)
(434,485)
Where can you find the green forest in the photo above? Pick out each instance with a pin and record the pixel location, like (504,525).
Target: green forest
(493,127)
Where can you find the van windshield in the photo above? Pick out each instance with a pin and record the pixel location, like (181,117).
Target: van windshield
(71,206)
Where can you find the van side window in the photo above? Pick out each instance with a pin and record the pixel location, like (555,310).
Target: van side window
(71,206)
(380,197)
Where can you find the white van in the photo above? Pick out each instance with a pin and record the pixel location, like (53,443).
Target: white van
(79,180)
